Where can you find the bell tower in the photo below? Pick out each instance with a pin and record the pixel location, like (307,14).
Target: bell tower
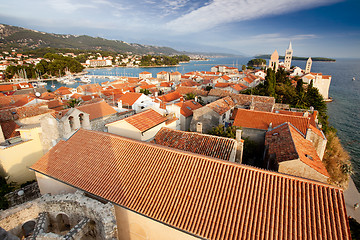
(308,66)
(288,57)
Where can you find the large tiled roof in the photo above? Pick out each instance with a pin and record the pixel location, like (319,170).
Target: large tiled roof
(97,110)
(287,143)
(9,129)
(222,105)
(261,120)
(129,98)
(146,120)
(245,100)
(187,107)
(209,145)
(170,96)
(203,196)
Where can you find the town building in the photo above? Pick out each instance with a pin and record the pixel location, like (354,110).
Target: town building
(214,199)
(141,126)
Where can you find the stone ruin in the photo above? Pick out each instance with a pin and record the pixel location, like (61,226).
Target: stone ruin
(68,216)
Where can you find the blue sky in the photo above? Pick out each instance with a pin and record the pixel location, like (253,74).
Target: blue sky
(329,28)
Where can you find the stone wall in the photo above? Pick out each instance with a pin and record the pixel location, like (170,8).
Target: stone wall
(86,217)
(99,123)
(25,194)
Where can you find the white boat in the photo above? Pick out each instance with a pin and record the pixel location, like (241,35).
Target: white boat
(353,79)
(85,79)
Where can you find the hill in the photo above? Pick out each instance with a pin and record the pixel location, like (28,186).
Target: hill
(25,39)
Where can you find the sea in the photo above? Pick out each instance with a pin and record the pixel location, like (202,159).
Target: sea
(343,111)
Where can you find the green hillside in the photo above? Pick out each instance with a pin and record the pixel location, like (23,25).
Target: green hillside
(25,39)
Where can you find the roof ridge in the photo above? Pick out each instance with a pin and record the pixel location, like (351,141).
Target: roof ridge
(208,158)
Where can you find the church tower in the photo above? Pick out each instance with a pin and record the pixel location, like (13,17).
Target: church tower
(308,66)
(288,57)
(274,61)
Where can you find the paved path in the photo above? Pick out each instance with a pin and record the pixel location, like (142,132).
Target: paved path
(352,196)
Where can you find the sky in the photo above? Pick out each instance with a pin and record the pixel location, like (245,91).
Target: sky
(324,28)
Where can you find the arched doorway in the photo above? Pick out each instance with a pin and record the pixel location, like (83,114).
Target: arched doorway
(63,222)
(28,228)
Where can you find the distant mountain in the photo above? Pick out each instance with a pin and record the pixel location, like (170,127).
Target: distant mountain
(25,39)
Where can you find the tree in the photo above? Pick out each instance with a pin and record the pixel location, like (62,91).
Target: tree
(190,96)
(145,91)
(243,67)
(73,102)
(222,131)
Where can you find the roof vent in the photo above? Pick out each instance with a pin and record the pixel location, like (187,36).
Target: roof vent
(309,157)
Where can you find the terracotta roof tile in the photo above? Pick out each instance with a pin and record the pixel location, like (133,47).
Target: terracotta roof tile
(200,195)
(187,107)
(9,129)
(261,120)
(129,98)
(287,143)
(170,97)
(222,105)
(97,110)
(185,90)
(208,145)
(146,120)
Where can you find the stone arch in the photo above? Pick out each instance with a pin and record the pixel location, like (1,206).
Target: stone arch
(63,222)
(28,228)
(71,123)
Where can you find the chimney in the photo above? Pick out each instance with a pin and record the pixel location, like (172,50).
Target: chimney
(270,126)
(182,99)
(196,99)
(306,114)
(199,127)
(238,135)
(156,94)
(120,103)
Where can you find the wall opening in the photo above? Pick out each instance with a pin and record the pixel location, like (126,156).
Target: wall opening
(63,222)
(81,119)
(28,228)
(72,123)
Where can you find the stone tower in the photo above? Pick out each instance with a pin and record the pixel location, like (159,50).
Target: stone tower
(308,65)
(288,57)
(274,61)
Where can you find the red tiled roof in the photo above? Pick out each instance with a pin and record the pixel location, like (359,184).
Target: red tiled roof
(223,85)
(185,90)
(146,120)
(97,110)
(288,144)
(144,72)
(6,88)
(48,96)
(208,145)
(9,129)
(165,84)
(200,195)
(225,77)
(90,88)
(187,107)
(261,120)
(170,96)
(130,98)
(175,73)
(222,105)
(239,87)
(219,92)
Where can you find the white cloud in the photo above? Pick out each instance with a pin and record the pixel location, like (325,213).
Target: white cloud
(226,11)
(68,6)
